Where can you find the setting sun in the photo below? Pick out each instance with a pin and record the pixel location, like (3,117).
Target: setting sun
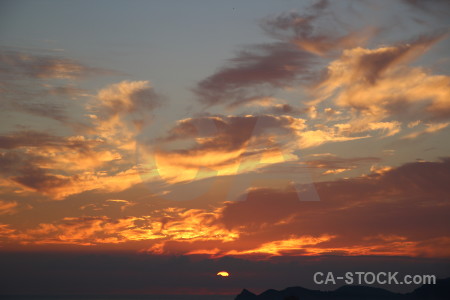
(223,274)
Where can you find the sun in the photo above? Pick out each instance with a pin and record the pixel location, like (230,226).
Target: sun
(223,274)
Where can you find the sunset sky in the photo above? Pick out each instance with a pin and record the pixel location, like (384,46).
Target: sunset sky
(146,146)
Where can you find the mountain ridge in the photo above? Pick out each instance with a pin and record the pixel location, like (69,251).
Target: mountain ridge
(438,291)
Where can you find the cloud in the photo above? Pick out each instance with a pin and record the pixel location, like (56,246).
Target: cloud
(126,97)
(43,85)
(367,66)
(8,207)
(270,105)
(293,245)
(43,163)
(31,138)
(202,147)
(333,164)
(59,187)
(430,128)
(170,224)
(303,30)
(434,7)
(78,231)
(55,111)
(18,65)
(375,91)
(314,138)
(259,70)
(48,102)
(37,179)
(220,144)
(359,125)
(57,152)
(382,90)
(253,72)
(366,215)
(121,110)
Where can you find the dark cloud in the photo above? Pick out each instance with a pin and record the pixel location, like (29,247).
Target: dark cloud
(39,180)
(32,138)
(65,90)
(232,131)
(270,206)
(24,169)
(43,162)
(380,212)
(253,72)
(286,109)
(292,24)
(332,162)
(55,111)
(11,161)
(28,138)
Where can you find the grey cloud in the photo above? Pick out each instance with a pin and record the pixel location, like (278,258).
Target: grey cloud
(20,65)
(253,72)
(31,138)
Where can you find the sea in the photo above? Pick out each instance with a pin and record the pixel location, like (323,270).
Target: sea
(119,297)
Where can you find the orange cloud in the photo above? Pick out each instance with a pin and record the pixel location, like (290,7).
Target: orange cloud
(170,225)
(120,110)
(314,138)
(58,186)
(367,215)
(430,128)
(288,246)
(238,144)
(378,83)
(8,207)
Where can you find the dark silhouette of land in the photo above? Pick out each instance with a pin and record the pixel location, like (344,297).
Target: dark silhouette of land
(440,290)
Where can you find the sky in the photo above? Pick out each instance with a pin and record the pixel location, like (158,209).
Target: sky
(147,145)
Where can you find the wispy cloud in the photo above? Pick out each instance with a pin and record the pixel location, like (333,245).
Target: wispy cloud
(8,207)
(303,30)
(430,128)
(253,73)
(21,65)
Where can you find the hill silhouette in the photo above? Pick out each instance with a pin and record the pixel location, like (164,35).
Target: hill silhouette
(438,291)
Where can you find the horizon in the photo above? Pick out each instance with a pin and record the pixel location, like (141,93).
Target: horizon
(207,147)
